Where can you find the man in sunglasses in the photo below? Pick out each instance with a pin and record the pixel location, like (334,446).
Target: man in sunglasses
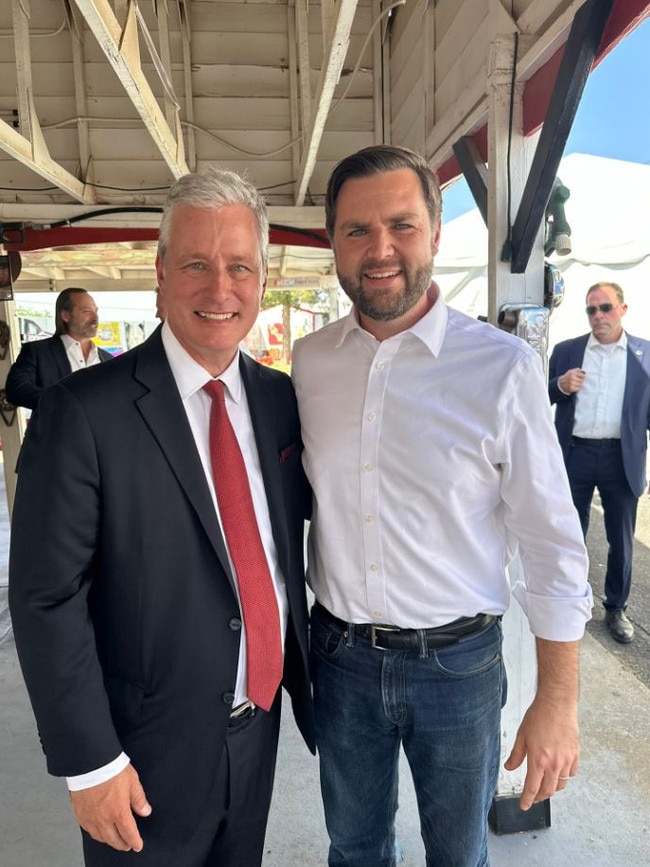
(601,385)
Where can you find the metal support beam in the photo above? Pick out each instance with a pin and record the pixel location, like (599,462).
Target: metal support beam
(475,171)
(578,58)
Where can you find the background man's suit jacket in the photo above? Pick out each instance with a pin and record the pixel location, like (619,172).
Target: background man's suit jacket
(40,364)
(635,421)
(113,519)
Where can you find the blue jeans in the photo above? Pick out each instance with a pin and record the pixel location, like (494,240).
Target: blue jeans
(443,706)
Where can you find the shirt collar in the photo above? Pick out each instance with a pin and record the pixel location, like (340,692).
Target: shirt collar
(621,343)
(190,376)
(70,341)
(430,329)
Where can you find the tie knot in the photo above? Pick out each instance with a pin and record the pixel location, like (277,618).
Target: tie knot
(214,388)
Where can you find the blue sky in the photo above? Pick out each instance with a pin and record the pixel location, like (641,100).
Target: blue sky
(613,119)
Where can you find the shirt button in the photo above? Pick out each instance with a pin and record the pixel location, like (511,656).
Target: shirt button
(370,519)
(377,613)
(235,624)
(371,416)
(228,698)
(380,365)
(368,468)
(374,567)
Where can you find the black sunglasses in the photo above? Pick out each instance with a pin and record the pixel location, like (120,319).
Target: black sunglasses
(604,308)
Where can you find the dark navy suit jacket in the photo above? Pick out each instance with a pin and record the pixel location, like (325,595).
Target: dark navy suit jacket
(125,619)
(40,364)
(635,422)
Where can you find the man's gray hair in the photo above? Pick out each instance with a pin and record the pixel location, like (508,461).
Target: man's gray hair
(213,189)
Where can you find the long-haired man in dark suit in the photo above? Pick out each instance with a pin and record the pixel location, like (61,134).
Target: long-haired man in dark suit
(128,624)
(41,363)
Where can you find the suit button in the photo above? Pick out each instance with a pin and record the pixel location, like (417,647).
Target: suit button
(228,698)
(235,624)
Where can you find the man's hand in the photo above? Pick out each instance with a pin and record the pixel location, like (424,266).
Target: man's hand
(571,381)
(106,811)
(548,736)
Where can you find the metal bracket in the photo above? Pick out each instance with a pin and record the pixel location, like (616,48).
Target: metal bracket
(529,322)
(7,410)
(12,233)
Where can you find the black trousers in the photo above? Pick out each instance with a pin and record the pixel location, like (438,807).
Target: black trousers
(588,468)
(231,831)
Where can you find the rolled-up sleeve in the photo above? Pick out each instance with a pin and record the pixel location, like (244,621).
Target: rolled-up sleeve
(553,590)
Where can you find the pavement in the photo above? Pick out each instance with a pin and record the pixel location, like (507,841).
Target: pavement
(601,820)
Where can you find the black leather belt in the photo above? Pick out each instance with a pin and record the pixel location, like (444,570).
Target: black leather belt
(596,444)
(393,638)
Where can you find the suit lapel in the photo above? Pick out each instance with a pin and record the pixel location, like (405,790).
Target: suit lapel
(163,412)
(635,352)
(636,369)
(61,359)
(578,351)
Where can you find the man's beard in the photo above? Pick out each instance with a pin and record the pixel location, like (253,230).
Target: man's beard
(87,331)
(384,305)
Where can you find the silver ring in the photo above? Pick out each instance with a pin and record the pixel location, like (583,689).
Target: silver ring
(564,779)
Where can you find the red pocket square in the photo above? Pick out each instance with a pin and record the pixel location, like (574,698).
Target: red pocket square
(287,451)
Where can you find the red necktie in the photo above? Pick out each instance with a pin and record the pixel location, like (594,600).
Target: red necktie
(257,595)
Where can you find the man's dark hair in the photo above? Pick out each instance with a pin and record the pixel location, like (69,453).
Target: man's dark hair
(64,302)
(376,160)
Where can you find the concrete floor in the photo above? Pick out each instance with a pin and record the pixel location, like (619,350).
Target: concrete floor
(602,820)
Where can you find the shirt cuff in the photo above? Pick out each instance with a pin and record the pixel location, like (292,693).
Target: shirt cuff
(94,778)
(555,618)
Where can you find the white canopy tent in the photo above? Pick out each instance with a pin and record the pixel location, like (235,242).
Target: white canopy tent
(609,214)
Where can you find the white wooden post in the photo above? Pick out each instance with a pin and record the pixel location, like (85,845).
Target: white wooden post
(518,290)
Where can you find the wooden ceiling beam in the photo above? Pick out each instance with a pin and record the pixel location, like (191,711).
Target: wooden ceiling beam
(120,48)
(333,59)
(29,146)
(34,155)
(75,25)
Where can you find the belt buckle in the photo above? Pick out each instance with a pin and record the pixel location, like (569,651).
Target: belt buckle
(373,635)
(242,709)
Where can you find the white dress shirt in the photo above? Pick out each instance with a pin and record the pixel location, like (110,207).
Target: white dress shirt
(75,353)
(599,403)
(432,455)
(190,378)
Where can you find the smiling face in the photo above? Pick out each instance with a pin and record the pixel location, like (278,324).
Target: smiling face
(211,281)
(606,327)
(384,246)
